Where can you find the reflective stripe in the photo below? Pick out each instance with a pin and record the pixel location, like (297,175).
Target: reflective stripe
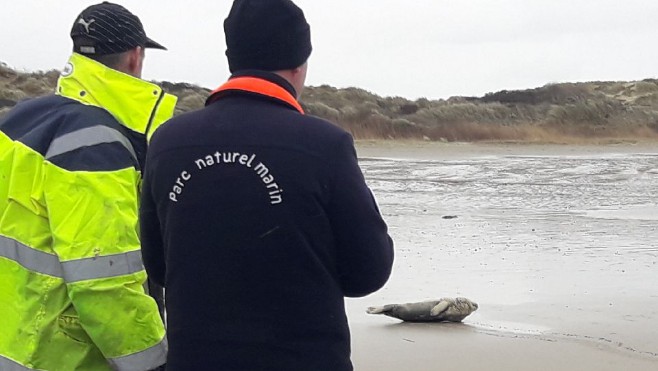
(34,260)
(88,137)
(103,266)
(145,360)
(7,364)
(73,270)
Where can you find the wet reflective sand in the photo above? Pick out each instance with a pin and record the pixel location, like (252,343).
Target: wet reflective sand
(558,245)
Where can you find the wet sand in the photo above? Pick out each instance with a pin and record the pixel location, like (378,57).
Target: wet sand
(402,346)
(540,309)
(435,150)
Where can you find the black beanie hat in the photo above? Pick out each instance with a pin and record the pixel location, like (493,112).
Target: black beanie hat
(269,35)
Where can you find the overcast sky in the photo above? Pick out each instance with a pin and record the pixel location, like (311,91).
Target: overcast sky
(409,48)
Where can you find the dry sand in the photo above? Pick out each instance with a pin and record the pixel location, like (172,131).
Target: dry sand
(516,336)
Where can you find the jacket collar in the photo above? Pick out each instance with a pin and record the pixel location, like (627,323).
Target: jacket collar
(269,76)
(137,104)
(261,83)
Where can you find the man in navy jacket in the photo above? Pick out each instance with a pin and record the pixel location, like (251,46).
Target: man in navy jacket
(256,218)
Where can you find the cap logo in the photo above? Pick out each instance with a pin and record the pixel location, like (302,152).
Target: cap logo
(85,23)
(88,49)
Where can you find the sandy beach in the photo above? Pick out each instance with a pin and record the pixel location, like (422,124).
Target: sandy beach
(559,288)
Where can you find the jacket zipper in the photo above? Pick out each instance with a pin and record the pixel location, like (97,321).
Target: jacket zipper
(155,109)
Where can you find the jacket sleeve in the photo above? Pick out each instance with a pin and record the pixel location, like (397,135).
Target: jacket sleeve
(150,232)
(93,218)
(364,248)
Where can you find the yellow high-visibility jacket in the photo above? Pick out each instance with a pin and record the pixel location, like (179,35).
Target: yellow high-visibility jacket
(71,276)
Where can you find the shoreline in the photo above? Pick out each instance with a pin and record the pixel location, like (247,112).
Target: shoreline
(423,150)
(487,340)
(540,309)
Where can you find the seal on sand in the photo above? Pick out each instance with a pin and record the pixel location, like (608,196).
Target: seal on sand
(444,309)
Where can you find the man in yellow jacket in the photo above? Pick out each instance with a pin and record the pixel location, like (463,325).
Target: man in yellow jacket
(72,291)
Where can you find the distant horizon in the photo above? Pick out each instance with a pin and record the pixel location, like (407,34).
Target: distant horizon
(24,70)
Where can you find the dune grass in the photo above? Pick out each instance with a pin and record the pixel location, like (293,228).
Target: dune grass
(591,112)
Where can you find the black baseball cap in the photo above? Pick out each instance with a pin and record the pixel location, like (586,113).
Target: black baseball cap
(108,28)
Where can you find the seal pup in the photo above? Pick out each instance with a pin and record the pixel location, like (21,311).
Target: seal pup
(444,309)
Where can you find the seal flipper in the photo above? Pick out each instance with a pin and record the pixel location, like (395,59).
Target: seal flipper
(375,310)
(455,309)
(380,310)
(440,308)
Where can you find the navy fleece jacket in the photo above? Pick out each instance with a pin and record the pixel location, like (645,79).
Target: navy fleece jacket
(258,222)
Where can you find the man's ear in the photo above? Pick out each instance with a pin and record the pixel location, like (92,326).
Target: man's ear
(135,61)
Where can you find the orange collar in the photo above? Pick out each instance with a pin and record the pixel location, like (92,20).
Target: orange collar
(259,86)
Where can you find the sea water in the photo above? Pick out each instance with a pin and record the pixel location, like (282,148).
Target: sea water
(555,245)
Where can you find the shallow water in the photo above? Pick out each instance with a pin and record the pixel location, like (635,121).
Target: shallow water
(553,245)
